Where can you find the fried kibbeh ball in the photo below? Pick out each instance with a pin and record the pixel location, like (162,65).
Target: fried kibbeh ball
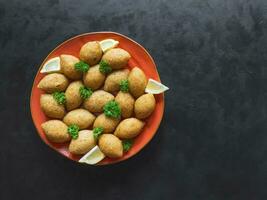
(129,128)
(93,78)
(91,53)
(56,131)
(137,82)
(117,58)
(97,100)
(112,83)
(126,103)
(107,123)
(81,117)
(53,83)
(72,93)
(144,106)
(51,108)
(67,66)
(110,145)
(83,144)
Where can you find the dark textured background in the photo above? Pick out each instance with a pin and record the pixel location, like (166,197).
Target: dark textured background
(212,143)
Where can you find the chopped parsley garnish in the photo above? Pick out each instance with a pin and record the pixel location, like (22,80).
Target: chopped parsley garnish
(97,132)
(59,97)
(127,145)
(81,66)
(104,67)
(124,85)
(112,109)
(73,131)
(85,92)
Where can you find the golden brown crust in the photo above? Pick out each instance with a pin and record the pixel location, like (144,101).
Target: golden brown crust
(50,107)
(137,82)
(93,79)
(91,53)
(73,98)
(110,145)
(56,131)
(81,117)
(112,83)
(96,102)
(67,63)
(107,123)
(129,128)
(144,106)
(53,83)
(83,144)
(117,58)
(126,102)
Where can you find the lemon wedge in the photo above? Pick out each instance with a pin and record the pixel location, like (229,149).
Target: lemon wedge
(108,44)
(52,65)
(155,87)
(93,156)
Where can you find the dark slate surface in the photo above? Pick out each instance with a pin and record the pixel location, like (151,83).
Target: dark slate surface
(212,143)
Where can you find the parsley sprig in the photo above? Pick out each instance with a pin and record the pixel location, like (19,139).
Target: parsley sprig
(59,97)
(124,86)
(112,109)
(73,130)
(104,67)
(81,66)
(85,92)
(97,132)
(127,145)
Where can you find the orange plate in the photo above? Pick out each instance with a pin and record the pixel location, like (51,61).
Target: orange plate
(140,57)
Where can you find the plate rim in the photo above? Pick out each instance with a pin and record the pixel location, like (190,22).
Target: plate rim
(61,44)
